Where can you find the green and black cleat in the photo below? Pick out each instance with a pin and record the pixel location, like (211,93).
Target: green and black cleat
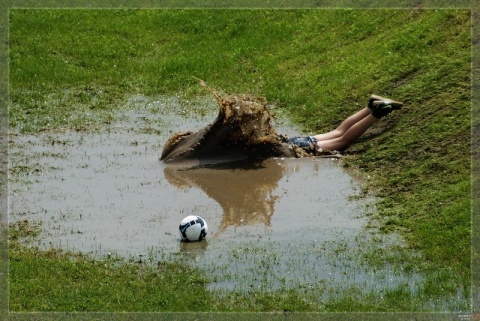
(382,106)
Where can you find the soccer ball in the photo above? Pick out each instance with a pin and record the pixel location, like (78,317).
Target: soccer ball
(193,228)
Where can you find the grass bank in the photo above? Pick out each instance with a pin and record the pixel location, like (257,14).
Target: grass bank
(71,69)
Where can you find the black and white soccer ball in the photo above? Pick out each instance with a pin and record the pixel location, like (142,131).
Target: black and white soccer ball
(193,228)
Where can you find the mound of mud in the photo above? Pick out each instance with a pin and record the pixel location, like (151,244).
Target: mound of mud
(241,130)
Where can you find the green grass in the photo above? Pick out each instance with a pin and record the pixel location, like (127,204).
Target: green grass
(73,68)
(57,281)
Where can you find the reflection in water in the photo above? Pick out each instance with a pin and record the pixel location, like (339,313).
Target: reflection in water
(196,249)
(280,223)
(244,189)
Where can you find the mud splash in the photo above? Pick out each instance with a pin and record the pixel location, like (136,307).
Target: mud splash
(242,130)
(274,223)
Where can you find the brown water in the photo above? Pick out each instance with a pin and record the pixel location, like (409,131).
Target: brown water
(275,223)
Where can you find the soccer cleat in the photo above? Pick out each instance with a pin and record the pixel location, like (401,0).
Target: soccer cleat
(381,106)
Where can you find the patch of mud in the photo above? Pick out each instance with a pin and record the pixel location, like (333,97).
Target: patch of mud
(277,223)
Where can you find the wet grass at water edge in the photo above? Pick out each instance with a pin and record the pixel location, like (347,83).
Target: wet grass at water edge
(70,70)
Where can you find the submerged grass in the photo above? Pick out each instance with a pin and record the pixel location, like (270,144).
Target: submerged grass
(71,69)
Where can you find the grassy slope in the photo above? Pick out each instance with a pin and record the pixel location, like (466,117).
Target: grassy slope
(319,66)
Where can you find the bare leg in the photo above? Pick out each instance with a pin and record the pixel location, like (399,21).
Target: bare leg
(350,135)
(354,126)
(344,126)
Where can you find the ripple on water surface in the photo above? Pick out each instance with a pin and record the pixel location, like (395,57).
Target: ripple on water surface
(277,223)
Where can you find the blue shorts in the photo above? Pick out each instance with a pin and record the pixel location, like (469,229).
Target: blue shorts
(308,143)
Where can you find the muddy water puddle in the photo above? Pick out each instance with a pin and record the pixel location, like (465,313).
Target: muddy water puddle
(277,223)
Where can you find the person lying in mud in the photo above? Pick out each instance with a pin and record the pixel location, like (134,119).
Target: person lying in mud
(350,129)
(242,130)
